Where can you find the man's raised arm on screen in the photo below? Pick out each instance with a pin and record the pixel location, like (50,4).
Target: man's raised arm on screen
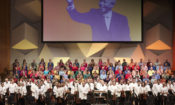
(77,16)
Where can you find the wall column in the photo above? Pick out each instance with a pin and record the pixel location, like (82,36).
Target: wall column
(174,39)
(4,35)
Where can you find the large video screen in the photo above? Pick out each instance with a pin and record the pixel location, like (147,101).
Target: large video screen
(92,20)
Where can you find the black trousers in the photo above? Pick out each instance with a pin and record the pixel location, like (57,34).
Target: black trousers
(136,100)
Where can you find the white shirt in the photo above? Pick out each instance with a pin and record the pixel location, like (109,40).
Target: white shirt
(4,90)
(6,84)
(148,88)
(137,90)
(112,89)
(103,88)
(118,88)
(91,86)
(83,92)
(23,90)
(170,86)
(126,87)
(12,88)
(143,90)
(164,90)
(72,89)
(108,17)
(35,91)
(155,89)
(98,85)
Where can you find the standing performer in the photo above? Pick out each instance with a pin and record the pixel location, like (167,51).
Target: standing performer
(164,93)
(136,93)
(83,91)
(12,90)
(143,94)
(2,93)
(22,92)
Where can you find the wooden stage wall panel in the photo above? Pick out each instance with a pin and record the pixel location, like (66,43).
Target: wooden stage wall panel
(4,35)
(174,38)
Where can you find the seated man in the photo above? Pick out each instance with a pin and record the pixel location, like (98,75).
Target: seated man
(103,75)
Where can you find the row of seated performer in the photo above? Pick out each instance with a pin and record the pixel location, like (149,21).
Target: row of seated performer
(86,92)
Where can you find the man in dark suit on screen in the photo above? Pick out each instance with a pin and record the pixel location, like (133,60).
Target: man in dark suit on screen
(106,24)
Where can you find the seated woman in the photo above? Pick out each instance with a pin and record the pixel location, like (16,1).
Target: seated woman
(23,73)
(95,69)
(82,68)
(74,68)
(41,67)
(110,73)
(46,72)
(95,75)
(86,74)
(84,63)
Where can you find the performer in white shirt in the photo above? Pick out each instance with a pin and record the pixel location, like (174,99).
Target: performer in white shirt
(118,88)
(113,89)
(12,87)
(164,93)
(136,93)
(6,84)
(91,85)
(155,88)
(21,93)
(170,86)
(12,90)
(35,90)
(2,93)
(143,94)
(83,91)
(55,89)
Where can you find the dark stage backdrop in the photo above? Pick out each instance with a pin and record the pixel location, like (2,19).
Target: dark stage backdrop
(4,35)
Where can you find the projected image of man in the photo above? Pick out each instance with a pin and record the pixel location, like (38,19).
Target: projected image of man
(106,24)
